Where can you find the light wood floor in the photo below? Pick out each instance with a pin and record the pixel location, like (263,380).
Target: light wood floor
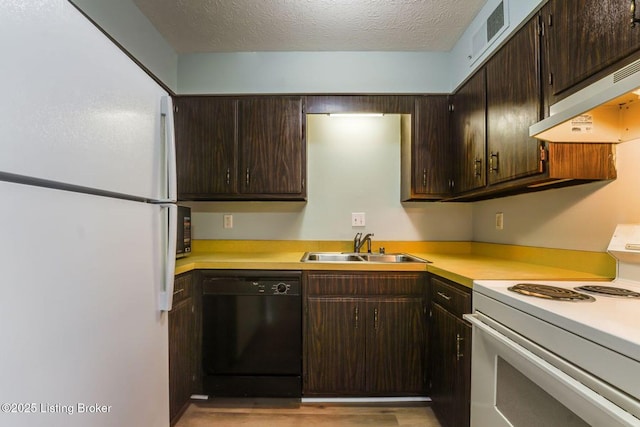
(283,413)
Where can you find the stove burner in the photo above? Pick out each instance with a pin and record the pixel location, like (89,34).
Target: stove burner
(550,292)
(608,291)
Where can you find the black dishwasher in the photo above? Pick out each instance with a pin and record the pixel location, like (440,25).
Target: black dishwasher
(252,334)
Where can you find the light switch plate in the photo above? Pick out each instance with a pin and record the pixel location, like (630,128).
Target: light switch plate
(227,221)
(499,220)
(357,219)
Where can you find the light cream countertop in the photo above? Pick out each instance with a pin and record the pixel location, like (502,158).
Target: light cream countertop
(461,262)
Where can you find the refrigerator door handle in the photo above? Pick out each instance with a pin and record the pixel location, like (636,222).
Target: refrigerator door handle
(166,109)
(166,292)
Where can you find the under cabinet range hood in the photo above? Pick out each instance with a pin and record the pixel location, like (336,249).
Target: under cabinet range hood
(605,111)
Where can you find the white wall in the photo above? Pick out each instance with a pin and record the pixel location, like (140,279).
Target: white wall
(344,72)
(123,21)
(582,217)
(353,166)
(314,72)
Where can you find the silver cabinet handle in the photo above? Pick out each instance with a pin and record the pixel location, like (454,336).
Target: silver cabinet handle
(355,318)
(228,177)
(477,167)
(494,165)
(424,178)
(247,177)
(634,20)
(445,296)
(375,319)
(458,340)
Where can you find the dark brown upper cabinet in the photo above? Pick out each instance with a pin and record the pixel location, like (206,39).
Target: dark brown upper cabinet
(508,92)
(387,104)
(583,38)
(271,145)
(205,146)
(245,148)
(514,103)
(469,134)
(426,156)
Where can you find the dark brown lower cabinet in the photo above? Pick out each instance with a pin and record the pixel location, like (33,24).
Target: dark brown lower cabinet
(450,372)
(363,336)
(183,346)
(450,354)
(395,346)
(335,344)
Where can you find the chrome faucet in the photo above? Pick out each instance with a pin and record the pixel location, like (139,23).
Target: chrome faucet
(359,242)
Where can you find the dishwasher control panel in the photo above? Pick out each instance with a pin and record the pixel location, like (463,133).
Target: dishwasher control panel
(256,285)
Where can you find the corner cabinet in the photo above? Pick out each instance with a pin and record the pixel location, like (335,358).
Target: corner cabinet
(496,157)
(240,148)
(450,353)
(492,115)
(184,339)
(364,334)
(426,156)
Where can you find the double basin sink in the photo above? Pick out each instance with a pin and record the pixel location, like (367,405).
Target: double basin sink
(359,257)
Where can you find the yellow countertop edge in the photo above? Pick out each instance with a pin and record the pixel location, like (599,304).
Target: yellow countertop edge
(266,246)
(461,262)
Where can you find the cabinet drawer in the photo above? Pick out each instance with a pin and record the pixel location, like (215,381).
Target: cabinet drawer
(364,283)
(455,300)
(182,288)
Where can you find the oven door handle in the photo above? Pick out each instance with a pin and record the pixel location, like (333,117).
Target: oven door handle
(604,412)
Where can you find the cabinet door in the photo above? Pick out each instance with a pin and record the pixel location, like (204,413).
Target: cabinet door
(469,134)
(585,36)
(442,356)
(335,346)
(181,350)
(431,148)
(462,384)
(205,146)
(513,104)
(271,145)
(395,346)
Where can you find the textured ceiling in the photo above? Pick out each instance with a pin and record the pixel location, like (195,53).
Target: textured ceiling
(310,25)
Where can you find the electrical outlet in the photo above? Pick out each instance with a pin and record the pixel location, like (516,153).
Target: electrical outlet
(227,221)
(357,219)
(499,220)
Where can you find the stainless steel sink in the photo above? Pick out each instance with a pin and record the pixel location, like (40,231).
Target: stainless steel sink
(392,258)
(359,257)
(330,257)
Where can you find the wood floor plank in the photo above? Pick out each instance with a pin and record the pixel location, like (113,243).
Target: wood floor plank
(248,413)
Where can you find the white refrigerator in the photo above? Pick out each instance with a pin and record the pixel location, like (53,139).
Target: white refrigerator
(87,225)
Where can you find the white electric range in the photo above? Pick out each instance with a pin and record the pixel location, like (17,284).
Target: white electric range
(556,353)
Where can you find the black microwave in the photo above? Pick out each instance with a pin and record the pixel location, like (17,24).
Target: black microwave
(183,243)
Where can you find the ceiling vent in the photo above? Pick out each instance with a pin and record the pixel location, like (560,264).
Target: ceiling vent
(489,31)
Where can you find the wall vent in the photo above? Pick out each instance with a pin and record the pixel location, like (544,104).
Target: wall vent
(489,31)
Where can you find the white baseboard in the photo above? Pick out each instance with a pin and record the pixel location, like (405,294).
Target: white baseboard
(365,399)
